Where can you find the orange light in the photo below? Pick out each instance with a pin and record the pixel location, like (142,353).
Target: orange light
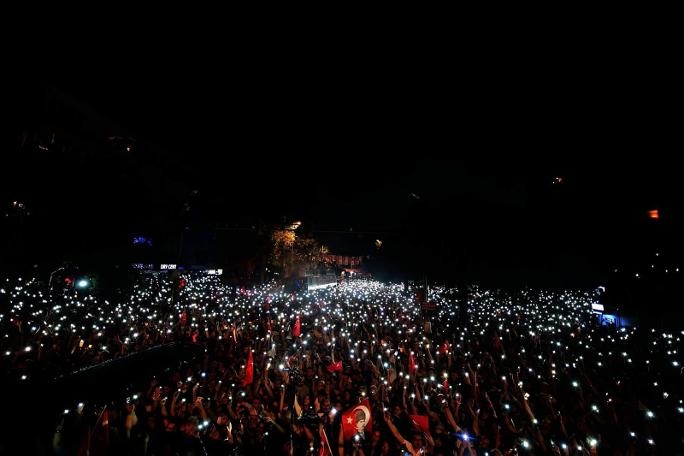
(653,214)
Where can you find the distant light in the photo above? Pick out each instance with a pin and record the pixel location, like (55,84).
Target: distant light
(653,214)
(83,283)
(294,225)
(142,240)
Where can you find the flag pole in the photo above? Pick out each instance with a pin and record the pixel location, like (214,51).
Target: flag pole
(90,431)
(327,442)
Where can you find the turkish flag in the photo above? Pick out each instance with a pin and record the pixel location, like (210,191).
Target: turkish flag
(412,366)
(422,422)
(335,367)
(249,370)
(358,419)
(297,329)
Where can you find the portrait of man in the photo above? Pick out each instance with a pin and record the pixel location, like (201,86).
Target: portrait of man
(357,420)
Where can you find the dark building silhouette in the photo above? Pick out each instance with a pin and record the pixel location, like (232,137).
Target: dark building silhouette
(77,185)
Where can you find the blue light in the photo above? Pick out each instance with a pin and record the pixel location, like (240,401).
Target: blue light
(142,240)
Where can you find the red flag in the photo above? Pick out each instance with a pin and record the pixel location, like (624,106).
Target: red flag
(297,330)
(249,370)
(444,349)
(335,367)
(422,422)
(325,446)
(99,439)
(496,342)
(412,366)
(358,420)
(445,385)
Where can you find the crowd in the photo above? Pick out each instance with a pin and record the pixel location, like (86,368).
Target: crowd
(359,368)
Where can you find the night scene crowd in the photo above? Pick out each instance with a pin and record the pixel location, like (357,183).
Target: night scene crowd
(358,368)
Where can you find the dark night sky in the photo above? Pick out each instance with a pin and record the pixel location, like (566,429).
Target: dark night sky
(346,143)
(350,134)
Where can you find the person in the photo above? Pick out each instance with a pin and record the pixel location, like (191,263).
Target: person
(418,446)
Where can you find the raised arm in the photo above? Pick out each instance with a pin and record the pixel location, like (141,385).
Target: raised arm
(396,434)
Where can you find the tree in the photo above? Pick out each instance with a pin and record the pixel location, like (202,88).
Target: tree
(295,255)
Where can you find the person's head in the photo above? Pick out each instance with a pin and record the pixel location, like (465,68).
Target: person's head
(360,416)
(417,440)
(396,411)
(309,373)
(325,403)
